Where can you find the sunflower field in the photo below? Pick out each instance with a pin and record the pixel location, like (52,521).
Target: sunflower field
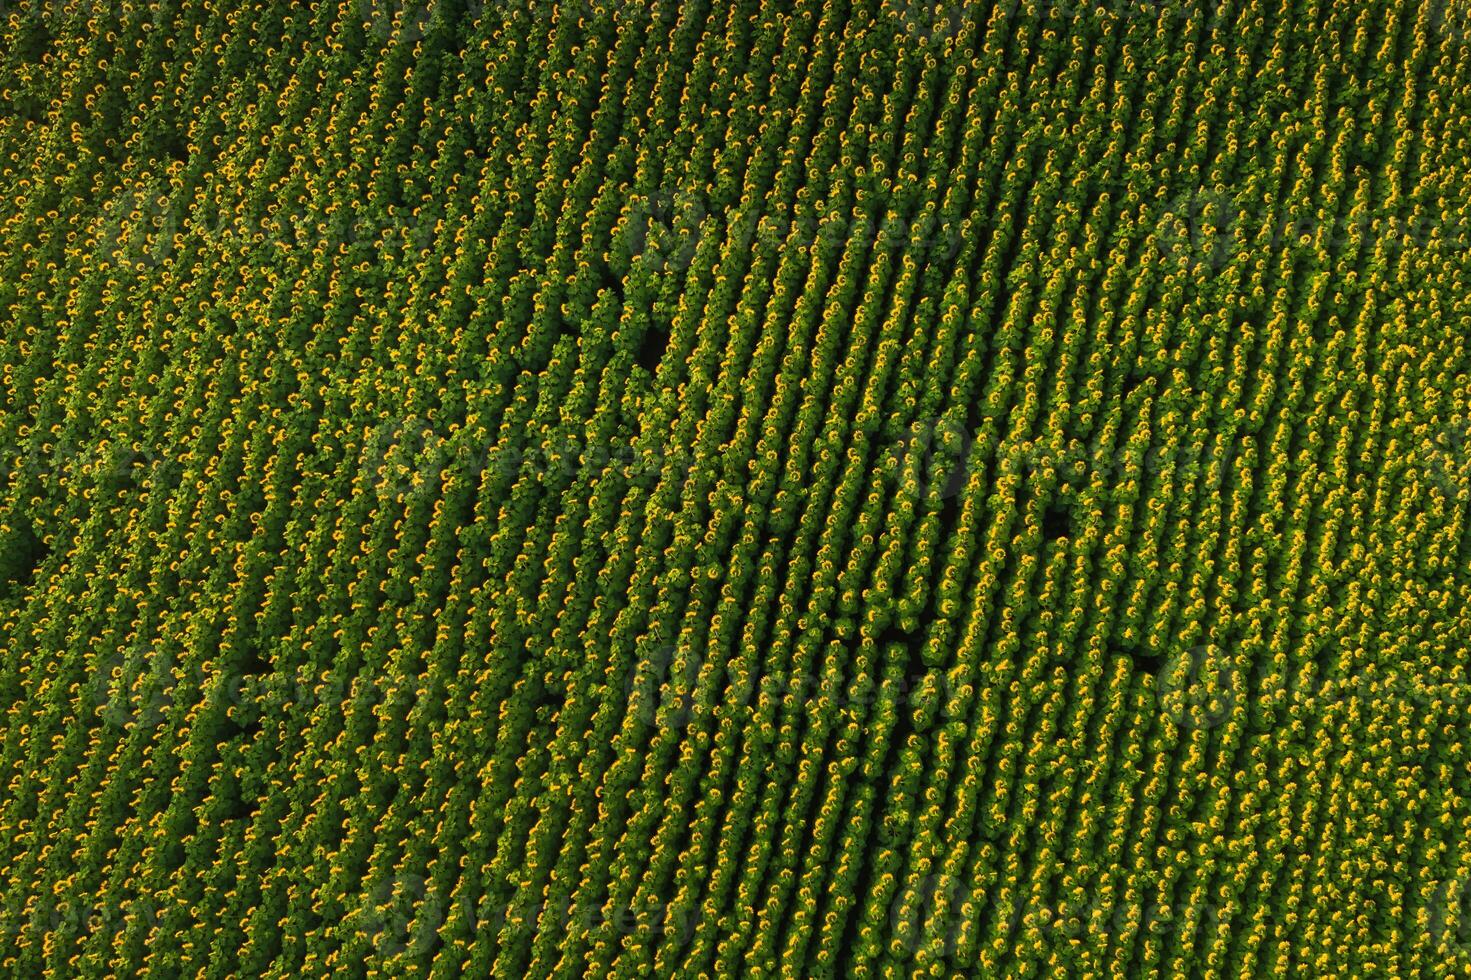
(767,489)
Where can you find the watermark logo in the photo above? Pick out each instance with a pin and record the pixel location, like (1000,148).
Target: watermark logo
(931,458)
(399,914)
(1445,459)
(140,226)
(409,21)
(654,921)
(930,22)
(662,694)
(1142,919)
(1448,918)
(407,454)
(664,229)
(941,918)
(402,455)
(112,467)
(146,223)
(135,687)
(1197,229)
(1197,688)
(929,919)
(1201,227)
(80,920)
(1448,21)
(1145,11)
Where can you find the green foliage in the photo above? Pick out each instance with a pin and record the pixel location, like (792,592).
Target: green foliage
(839,488)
